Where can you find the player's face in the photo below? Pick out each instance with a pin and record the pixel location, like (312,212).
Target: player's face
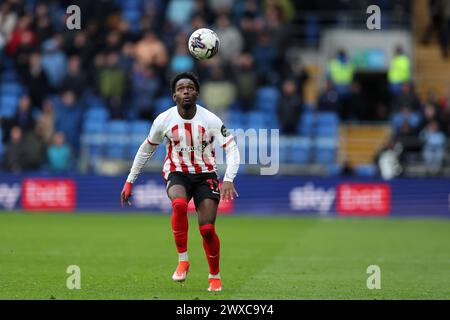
(185,93)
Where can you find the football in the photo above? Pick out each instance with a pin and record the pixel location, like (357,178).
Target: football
(203,44)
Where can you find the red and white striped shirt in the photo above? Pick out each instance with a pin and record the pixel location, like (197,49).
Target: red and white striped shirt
(189,143)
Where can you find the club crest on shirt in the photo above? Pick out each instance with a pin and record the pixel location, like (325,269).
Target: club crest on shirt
(224,131)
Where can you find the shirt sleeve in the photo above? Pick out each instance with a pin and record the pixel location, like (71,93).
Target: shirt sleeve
(147,149)
(221,134)
(226,140)
(156,134)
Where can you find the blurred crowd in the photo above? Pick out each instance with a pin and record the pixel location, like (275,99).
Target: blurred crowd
(123,56)
(126,51)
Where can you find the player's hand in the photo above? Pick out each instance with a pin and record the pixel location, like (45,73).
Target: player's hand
(126,193)
(228,192)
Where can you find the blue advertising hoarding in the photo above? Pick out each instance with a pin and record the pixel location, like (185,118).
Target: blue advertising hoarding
(264,195)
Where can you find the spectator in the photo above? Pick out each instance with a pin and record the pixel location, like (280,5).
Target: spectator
(265,55)
(59,154)
(181,59)
(151,51)
(113,42)
(230,38)
(68,118)
(433,151)
(43,27)
(20,35)
(246,80)
(75,79)
(112,82)
(340,72)
(53,62)
(218,93)
(145,86)
(406,116)
(445,9)
(35,149)
(14,157)
(354,105)
(409,142)
(435,24)
(406,99)
(289,108)
(294,68)
(329,99)
(8,20)
(81,47)
(36,80)
(399,72)
(179,12)
(24,117)
(387,160)
(45,123)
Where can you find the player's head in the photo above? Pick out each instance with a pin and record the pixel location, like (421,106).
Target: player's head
(185,89)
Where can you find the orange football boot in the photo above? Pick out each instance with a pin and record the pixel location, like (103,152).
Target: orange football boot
(181,272)
(215,284)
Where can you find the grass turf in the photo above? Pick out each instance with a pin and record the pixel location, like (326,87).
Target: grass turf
(133,257)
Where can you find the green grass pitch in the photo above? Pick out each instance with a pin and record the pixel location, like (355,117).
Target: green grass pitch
(133,256)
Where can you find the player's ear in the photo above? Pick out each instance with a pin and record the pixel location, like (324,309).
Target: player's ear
(174,97)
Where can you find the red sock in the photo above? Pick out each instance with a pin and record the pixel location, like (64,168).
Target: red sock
(180,223)
(211,244)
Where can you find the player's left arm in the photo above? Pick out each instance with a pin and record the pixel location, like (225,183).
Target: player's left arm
(226,141)
(228,192)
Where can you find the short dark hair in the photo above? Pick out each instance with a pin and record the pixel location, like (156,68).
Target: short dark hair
(184,75)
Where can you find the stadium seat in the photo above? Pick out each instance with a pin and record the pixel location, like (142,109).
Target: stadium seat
(8,105)
(11,88)
(365,170)
(325,151)
(163,104)
(307,124)
(267,98)
(327,131)
(94,101)
(118,126)
(96,114)
(93,126)
(300,151)
(115,151)
(140,127)
(327,119)
(256,120)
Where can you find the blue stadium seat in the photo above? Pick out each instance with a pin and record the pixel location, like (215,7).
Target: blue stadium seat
(94,101)
(140,127)
(8,105)
(267,98)
(365,170)
(163,104)
(307,124)
(96,114)
(116,151)
(118,126)
(325,151)
(256,120)
(11,88)
(300,151)
(327,131)
(284,150)
(93,126)
(327,119)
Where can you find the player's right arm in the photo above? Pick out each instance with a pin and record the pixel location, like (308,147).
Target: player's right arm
(145,152)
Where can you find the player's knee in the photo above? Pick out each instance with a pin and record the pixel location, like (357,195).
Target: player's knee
(180,205)
(207,231)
